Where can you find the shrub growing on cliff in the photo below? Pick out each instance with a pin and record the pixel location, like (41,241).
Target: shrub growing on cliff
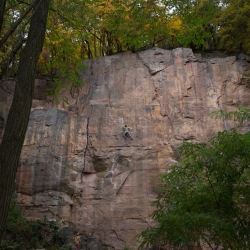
(206,196)
(21,234)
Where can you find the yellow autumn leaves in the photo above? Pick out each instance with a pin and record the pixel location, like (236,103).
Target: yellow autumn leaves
(81,29)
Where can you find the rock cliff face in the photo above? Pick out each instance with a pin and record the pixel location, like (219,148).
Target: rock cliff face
(77,168)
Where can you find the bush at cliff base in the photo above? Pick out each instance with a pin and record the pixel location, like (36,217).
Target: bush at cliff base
(21,234)
(205,197)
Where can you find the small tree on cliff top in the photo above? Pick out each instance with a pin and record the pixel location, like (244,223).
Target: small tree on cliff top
(206,196)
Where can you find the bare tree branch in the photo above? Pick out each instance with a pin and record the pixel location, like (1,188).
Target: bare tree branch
(15,25)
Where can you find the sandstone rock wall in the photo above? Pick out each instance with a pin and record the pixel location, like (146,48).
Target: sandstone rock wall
(77,168)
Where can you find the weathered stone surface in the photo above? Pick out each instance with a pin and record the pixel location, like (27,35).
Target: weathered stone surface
(77,168)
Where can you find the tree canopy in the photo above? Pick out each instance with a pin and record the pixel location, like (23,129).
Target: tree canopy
(86,29)
(234,26)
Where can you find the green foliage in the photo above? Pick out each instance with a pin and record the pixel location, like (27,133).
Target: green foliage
(240,115)
(206,196)
(198,22)
(234,23)
(79,29)
(21,234)
(138,24)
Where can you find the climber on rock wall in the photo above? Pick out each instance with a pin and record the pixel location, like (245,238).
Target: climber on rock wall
(126,132)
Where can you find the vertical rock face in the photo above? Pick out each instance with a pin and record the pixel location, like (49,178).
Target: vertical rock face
(77,168)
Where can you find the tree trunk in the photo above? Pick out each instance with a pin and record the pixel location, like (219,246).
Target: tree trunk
(17,122)
(2,9)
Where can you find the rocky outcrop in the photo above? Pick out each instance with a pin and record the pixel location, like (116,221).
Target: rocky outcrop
(77,168)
